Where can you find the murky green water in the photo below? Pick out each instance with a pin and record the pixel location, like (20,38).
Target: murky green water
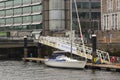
(18,70)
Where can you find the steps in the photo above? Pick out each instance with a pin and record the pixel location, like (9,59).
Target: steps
(64,43)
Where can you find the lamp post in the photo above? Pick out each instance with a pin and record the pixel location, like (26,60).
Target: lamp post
(25,47)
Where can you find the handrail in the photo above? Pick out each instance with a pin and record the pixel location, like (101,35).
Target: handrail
(65,40)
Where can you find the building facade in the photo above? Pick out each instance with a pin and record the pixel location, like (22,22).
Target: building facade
(89,13)
(20,15)
(56,15)
(27,15)
(110,15)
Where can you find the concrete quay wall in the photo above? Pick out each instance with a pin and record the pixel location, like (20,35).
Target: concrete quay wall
(108,41)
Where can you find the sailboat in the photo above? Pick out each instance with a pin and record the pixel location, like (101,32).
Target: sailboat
(61,60)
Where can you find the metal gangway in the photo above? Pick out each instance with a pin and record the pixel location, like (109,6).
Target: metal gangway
(63,43)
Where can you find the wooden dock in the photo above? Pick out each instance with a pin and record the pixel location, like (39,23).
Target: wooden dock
(108,67)
(34,59)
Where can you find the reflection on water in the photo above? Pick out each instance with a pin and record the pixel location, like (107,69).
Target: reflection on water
(18,70)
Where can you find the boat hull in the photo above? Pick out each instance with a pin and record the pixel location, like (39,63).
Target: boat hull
(66,64)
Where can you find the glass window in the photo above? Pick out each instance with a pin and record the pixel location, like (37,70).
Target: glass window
(74,15)
(3,28)
(95,15)
(79,5)
(9,21)
(95,5)
(84,15)
(36,18)
(2,21)
(56,4)
(9,3)
(39,26)
(18,11)
(85,5)
(27,19)
(2,5)
(24,27)
(17,27)
(17,20)
(17,2)
(2,13)
(85,25)
(36,1)
(56,25)
(26,2)
(26,10)
(31,27)
(37,8)
(9,12)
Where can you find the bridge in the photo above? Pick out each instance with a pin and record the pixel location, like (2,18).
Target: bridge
(63,43)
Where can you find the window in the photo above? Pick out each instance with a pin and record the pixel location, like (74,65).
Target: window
(109,5)
(24,27)
(17,2)
(2,5)
(106,22)
(18,11)
(36,1)
(56,25)
(37,18)
(56,4)
(117,4)
(84,15)
(74,15)
(37,8)
(26,2)
(9,21)
(2,13)
(2,21)
(9,3)
(114,21)
(85,25)
(27,19)
(95,15)
(26,10)
(9,12)
(85,5)
(39,26)
(17,20)
(79,4)
(17,27)
(95,5)
(107,25)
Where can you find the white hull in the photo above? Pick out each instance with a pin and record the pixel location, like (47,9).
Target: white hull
(66,64)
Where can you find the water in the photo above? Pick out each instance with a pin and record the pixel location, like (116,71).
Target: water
(18,70)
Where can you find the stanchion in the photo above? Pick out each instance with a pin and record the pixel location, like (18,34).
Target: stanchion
(25,47)
(93,48)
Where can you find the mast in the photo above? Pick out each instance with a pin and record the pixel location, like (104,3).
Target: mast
(80,28)
(71,26)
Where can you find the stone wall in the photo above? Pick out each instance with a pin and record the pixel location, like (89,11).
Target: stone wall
(108,40)
(112,36)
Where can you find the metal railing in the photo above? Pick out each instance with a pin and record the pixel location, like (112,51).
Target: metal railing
(76,43)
